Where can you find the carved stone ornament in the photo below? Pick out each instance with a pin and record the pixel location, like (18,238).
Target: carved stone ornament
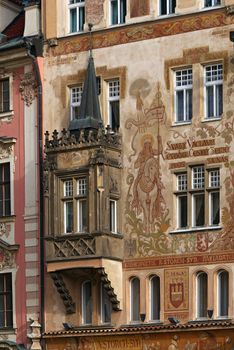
(6,147)
(7,259)
(28,88)
(4,229)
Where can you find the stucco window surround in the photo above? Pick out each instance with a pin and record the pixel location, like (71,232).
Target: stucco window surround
(7,160)
(222,282)
(197,199)
(6,96)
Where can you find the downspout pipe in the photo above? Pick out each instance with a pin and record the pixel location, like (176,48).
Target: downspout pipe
(34,47)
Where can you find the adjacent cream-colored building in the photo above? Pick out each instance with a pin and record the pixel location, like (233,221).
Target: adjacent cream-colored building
(139,201)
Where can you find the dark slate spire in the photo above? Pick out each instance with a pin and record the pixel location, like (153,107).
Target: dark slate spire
(90,115)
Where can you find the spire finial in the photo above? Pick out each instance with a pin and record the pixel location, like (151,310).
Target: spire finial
(90,26)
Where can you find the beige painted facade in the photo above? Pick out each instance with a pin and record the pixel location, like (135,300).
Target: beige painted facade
(145,54)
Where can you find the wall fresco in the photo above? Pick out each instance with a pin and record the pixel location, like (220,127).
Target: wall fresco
(156,149)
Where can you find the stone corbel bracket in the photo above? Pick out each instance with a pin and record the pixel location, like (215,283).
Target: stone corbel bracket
(64,293)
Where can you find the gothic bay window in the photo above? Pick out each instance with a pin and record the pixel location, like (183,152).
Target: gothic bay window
(75,205)
(77,15)
(167,7)
(213,91)
(117,11)
(183,95)
(6,311)
(75,101)
(198,197)
(5,191)
(113,104)
(4,95)
(210,3)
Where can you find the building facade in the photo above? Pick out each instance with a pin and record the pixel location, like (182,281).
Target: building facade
(138,174)
(19,177)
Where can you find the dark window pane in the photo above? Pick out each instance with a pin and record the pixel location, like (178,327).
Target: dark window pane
(215,217)
(69,216)
(114,115)
(182,211)
(114,12)
(202,295)
(155,298)
(219,100)
(172,6)
(210,101)
(189,104)
(81,18)
(163,4)
(223,293)
(122,11)
(135,299)
(199,209)
(73,20)
(106,306)
(180,106)
(87,302)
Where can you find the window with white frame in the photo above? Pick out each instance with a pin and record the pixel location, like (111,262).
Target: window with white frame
(223,293)
(86,302)
(134,299)
(75,101)
(167,7)
(210,3)
(4,95)
(117,11)
(213,90)
(106,306)
(201,294)
(201,195)
(76,15)
(182,201)
(113,104)
(6,306)
(5,189)
(155,298)
(183,95)
(113,215)
(74,200)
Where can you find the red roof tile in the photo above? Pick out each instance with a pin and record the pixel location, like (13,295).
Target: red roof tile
(15,28)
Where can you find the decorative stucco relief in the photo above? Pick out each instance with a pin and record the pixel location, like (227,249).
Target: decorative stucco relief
(28,88)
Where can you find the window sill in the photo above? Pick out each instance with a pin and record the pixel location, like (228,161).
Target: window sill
(168,15)
(7,330)
(8,114)
(10,218)
(182,123)
(205,120)
(209,320)
(196,229)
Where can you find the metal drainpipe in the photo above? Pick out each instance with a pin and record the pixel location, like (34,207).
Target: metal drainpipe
(29,46)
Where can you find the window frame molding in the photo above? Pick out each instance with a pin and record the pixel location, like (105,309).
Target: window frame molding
(13,279)
(190,192)
(119,13)
(185,89)
(76,6)
(199,273)
(131,279)
(217,276)
(86,281)
(10,112)
(151,277)
(168,7)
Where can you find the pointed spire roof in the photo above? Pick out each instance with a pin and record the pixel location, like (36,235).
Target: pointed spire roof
(90,114)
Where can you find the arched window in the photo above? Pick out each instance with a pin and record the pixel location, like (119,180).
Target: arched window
(106,306)
(135,299)
(86,298)
(223,295)
(155,298)
(201,294)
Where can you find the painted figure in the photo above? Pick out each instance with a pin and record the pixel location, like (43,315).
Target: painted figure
(147,188)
